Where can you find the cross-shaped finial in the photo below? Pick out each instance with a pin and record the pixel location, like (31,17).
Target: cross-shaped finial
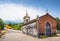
(47,11)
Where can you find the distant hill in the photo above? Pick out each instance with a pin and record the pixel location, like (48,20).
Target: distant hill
(12,22)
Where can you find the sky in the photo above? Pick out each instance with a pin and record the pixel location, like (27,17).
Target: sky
(16,9)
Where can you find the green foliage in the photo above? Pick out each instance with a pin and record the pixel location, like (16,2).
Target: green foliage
(16,26)
(1,24)
(42,36)
(58,31)
(58,23)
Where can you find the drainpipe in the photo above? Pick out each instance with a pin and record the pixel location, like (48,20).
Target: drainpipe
(38,35)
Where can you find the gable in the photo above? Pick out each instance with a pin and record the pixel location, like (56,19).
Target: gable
(47,16)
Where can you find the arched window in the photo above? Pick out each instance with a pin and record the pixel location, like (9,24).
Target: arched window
(27,20)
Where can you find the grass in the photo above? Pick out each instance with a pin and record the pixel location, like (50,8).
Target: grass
(58,31)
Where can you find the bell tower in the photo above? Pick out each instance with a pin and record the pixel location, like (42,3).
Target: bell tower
(26,18)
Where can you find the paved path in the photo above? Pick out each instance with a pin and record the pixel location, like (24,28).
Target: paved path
(14,35)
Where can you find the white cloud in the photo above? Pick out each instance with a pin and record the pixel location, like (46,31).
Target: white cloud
(15,12)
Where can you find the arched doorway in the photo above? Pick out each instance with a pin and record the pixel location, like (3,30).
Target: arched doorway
(48,30)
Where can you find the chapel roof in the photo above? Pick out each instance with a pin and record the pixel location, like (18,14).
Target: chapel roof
(47,14)
(26,16)
(34,20)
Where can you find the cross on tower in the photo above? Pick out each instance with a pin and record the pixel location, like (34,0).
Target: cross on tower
(47,11)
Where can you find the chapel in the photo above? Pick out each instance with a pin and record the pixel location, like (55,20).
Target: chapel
(41,25)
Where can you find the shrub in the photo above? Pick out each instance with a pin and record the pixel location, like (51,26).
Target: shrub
(42,36)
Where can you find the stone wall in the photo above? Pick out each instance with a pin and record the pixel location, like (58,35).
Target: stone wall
(30,29)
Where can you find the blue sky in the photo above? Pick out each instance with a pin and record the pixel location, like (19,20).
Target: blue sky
(13,9)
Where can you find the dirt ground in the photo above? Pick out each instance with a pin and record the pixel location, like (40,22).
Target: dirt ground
(13,35)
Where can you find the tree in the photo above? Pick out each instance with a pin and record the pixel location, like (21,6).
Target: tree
(10,24)
(17,26)
(58,23)
(1,24)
